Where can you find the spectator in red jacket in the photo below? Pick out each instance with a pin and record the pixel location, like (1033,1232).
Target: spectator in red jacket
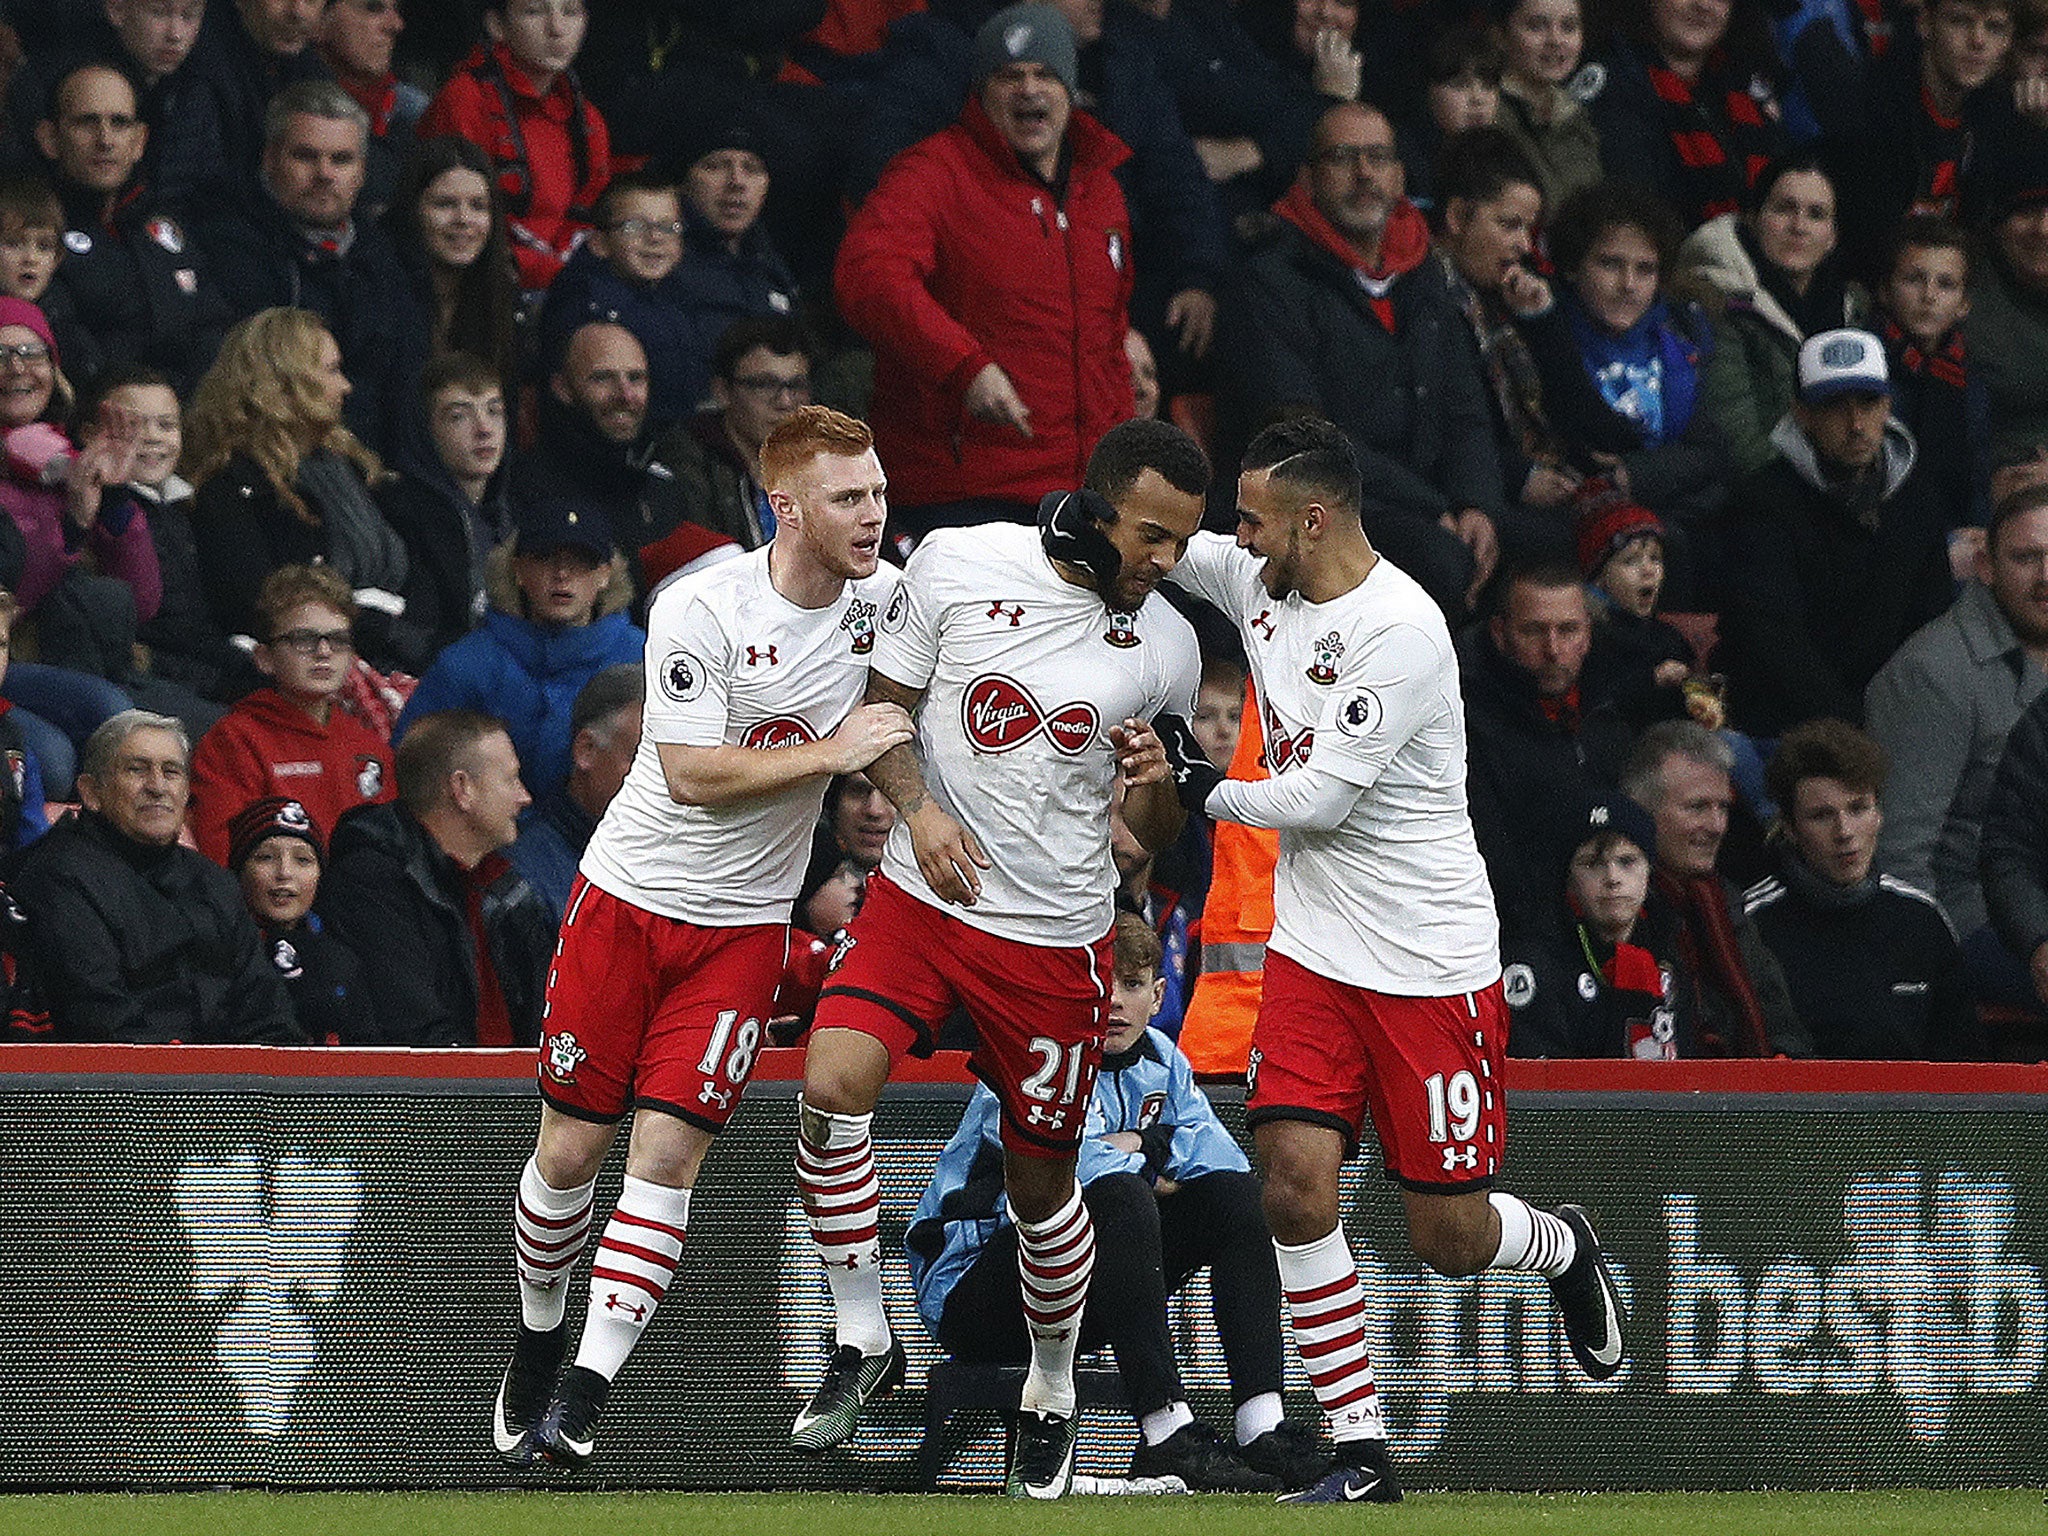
(289,739)
(517,98)
(990,268)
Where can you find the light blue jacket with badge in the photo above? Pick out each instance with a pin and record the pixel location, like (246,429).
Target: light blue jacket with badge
(1149,1089)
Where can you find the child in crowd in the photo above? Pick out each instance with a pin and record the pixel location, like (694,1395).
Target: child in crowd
(1604,993)
(1462,71)
(291,739)
(622,275)
(518,99)
(31,223)
(1922,301)
(274,850)
(22,818)
(185,664)
(1639,663)
(1219,709)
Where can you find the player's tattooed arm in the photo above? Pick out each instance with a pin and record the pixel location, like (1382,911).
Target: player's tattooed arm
(948,855)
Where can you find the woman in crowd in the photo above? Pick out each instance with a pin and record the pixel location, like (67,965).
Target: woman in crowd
(282,482)
(1773,266)
(1541,43)
(449,225)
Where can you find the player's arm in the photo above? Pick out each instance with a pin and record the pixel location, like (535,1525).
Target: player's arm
(723,775)
(948,855)
(1152,807)
(1304,799)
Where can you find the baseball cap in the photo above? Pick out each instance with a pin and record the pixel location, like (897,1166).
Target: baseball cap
(553,524)
(1836,363)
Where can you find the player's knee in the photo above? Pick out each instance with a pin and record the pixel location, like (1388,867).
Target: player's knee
(1449,1243)
(1037,1188)
(1300,1208)
(825,1130)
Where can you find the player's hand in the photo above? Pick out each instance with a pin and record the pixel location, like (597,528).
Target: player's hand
(867,733)
(1140,754)
(994,398)
(1194,776)
(948,855)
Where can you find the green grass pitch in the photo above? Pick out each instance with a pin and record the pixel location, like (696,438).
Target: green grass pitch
(1992,1513)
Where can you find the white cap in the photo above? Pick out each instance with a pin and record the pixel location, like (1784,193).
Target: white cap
(1842,363)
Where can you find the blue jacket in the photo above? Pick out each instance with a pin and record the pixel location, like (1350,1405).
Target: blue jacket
(527,675)
(1151,1085)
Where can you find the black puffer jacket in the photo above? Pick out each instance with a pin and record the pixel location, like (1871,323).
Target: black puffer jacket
(401,904)
(147,945)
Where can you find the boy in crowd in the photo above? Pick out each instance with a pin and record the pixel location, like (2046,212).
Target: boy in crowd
(1602,992)
(1171,1194)
(31,222)
(622,275)
(181,645)
(448,501)
(291,738)
(1923,300)
(274,850)
(1219,710)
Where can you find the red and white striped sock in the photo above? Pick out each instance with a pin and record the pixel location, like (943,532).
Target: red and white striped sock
(1531,1239)
(835,1174)
(1055,1257)
(636,1260)
(548,1229)
(1327,1308)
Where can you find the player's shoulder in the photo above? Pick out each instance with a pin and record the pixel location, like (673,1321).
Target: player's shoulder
(964,557)
(715,593)
(1392,605)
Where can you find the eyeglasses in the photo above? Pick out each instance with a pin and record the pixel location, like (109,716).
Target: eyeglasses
(308,642)
(766,386)
(633,229)
(25,352)
(1376,155)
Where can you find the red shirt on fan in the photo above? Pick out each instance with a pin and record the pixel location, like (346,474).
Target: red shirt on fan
(551,151)
(269,745)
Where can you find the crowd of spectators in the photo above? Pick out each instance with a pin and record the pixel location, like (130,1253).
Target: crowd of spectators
(366,366)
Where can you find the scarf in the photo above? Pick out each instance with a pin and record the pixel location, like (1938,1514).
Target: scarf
(1825,304)
(1510,370)
(361,545)
(1946,364)
(1717,132)
(1403,245)
(1712,961)
(1632,971)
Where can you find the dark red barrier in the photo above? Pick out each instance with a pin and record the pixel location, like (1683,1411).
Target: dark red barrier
(951,1067)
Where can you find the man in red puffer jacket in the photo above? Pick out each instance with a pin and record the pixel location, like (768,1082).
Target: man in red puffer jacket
(991,271)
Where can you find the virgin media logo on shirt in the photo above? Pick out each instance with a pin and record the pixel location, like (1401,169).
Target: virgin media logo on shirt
(999,713)
(782,731)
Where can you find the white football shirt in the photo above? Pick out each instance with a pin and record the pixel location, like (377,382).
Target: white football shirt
(1365,686)
(732,662)
(1025,674)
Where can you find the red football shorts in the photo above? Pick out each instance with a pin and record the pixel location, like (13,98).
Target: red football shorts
(645,1009)
(1038,1011)
(1427,1068)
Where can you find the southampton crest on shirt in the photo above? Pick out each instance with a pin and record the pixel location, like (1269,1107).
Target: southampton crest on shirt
(1328,650)
(859,622)
(1123,632)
